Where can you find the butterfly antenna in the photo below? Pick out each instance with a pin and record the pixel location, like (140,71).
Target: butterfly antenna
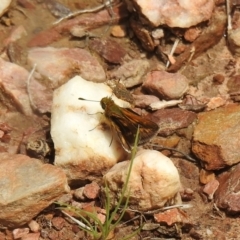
(88,100)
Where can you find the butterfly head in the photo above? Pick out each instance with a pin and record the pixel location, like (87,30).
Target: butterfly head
(106,101)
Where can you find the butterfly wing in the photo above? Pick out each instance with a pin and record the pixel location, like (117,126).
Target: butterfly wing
(124,143)
(128,123)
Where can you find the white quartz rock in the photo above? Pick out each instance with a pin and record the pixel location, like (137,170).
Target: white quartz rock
(175,13)
(85,145)
(154,181)
(4,4)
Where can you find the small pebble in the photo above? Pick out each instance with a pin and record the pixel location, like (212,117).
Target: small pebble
(119,31)
(58,222)
(75,228)
(20,232)
(78,194)
(34,226)
(31,236)
(158,33)
(91,191)
(66,198)
(218,78)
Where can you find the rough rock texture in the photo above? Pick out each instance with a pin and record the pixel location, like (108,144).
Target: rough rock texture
(216,137)
(227,196)
(170,120)
(4,6)
(40,94)
(58,64)
(13,87)
(143,101)
(17,91)
(175,13)
(16,33)
(154,180)
(91,191)
(166,85)
(210,188)
(234,41)
(85,145)
(27,187)
(110,50)
(172,216)
(210,36)
(131,73)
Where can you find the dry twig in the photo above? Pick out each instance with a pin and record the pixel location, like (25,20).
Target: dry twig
(28,87)
(107,4)
(172,51)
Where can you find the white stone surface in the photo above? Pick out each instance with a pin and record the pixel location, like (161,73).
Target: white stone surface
(154,181)
(85,145)
(175,13)
(4,4)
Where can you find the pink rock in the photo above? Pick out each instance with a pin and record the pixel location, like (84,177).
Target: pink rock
(227,195)
(15,34)
(109,49)
(166,85)
(210,188)
(172,216)
(169,120)
(175,13)
(100,212)
(34,226)
(206,176)
(52,234)
(20,232)
(131,73)
(101,217)
(25,190)
(31,236)
(233,40)
(59,64)
(216,102)
(143,101)
(233,84)
(78,194)
(192,104)
(1,133)
(58,222)
(91,191)
(19,94)
(2,236)
(66,198)
(13,82)
(40,95)
(192,33)
(26,4)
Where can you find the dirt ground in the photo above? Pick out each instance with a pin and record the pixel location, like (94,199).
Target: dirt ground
(207,221)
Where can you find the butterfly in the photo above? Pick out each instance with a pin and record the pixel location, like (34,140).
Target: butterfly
(125,122)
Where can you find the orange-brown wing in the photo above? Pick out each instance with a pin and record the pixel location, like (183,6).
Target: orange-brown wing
(121,137)
(128,123)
